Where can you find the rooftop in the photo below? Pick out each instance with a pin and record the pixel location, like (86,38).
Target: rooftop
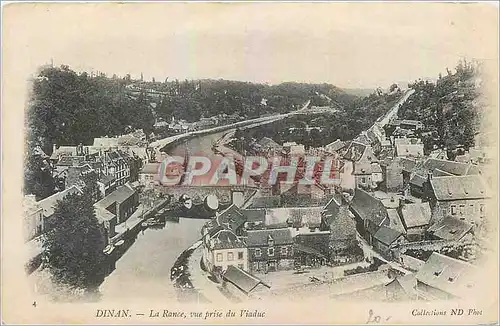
(459,187)
(243,280)
(447,274)
(416,214)
(281,236)
(387,235)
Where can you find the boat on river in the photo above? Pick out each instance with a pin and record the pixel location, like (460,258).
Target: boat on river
(152,222)
(109,249)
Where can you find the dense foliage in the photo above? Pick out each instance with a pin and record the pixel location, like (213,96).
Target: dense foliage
(447,108)
(74,244)
(344,124)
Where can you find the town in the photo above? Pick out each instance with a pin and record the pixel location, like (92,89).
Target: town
(404,218)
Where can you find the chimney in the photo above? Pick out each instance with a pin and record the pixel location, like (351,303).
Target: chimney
(54,148)
(429,176)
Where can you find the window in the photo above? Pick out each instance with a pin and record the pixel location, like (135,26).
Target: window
(219,257)
(240,255)
(270,251)
(258,253)
(461,209)
(230,256)
(284,251)
(363,180)
(481,209)
(453,209)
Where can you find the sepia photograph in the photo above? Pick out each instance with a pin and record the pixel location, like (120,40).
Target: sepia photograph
(250,163)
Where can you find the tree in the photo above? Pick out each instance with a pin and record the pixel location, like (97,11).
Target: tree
(73,246)
(38,179)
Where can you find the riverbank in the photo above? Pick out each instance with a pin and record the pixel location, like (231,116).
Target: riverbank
(181,277)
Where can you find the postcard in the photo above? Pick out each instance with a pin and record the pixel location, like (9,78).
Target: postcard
(249,163)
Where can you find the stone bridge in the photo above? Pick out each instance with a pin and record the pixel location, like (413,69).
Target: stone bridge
(225,194)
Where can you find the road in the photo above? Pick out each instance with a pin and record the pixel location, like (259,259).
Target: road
(159,144)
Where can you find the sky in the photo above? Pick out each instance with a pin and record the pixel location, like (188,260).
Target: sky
(354,45)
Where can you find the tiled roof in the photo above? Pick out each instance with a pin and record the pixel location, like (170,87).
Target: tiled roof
(281,236)
(407,164)
(459,187)
(231,218)
(243,280)
(118,196)
(387,235)
(368,207)
(355,151)
(452,167)
(254,215)
(450,228)
(416,214)
(450,275)
(70,160)
(225,239)
(408,283)
(395,220)
(418,180)
(336,145)
(296,216)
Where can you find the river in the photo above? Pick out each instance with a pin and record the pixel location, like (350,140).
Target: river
(144,269)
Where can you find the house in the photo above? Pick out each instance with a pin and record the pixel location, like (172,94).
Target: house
(385,239)
(106,184)
(312,249)
(294,149)
(411,263)
(414,177)
(357,151)
(416,218)
(410,150)
(369,212)
(450,229)
(411,124)
(464,197)
(232,219)
(243,281)
(270,250)
(395,222)
(150,175)
(443,277)
(392,175)
(117,166)
(367,174)
(402,288)
(106,143)
(337,219)
(335,147)
(122,202)
(300,219)
(224,249)
(255,218)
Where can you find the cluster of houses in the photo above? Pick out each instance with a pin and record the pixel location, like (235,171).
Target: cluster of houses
(115,164)
(259,240)
(183,126)
(409,205)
